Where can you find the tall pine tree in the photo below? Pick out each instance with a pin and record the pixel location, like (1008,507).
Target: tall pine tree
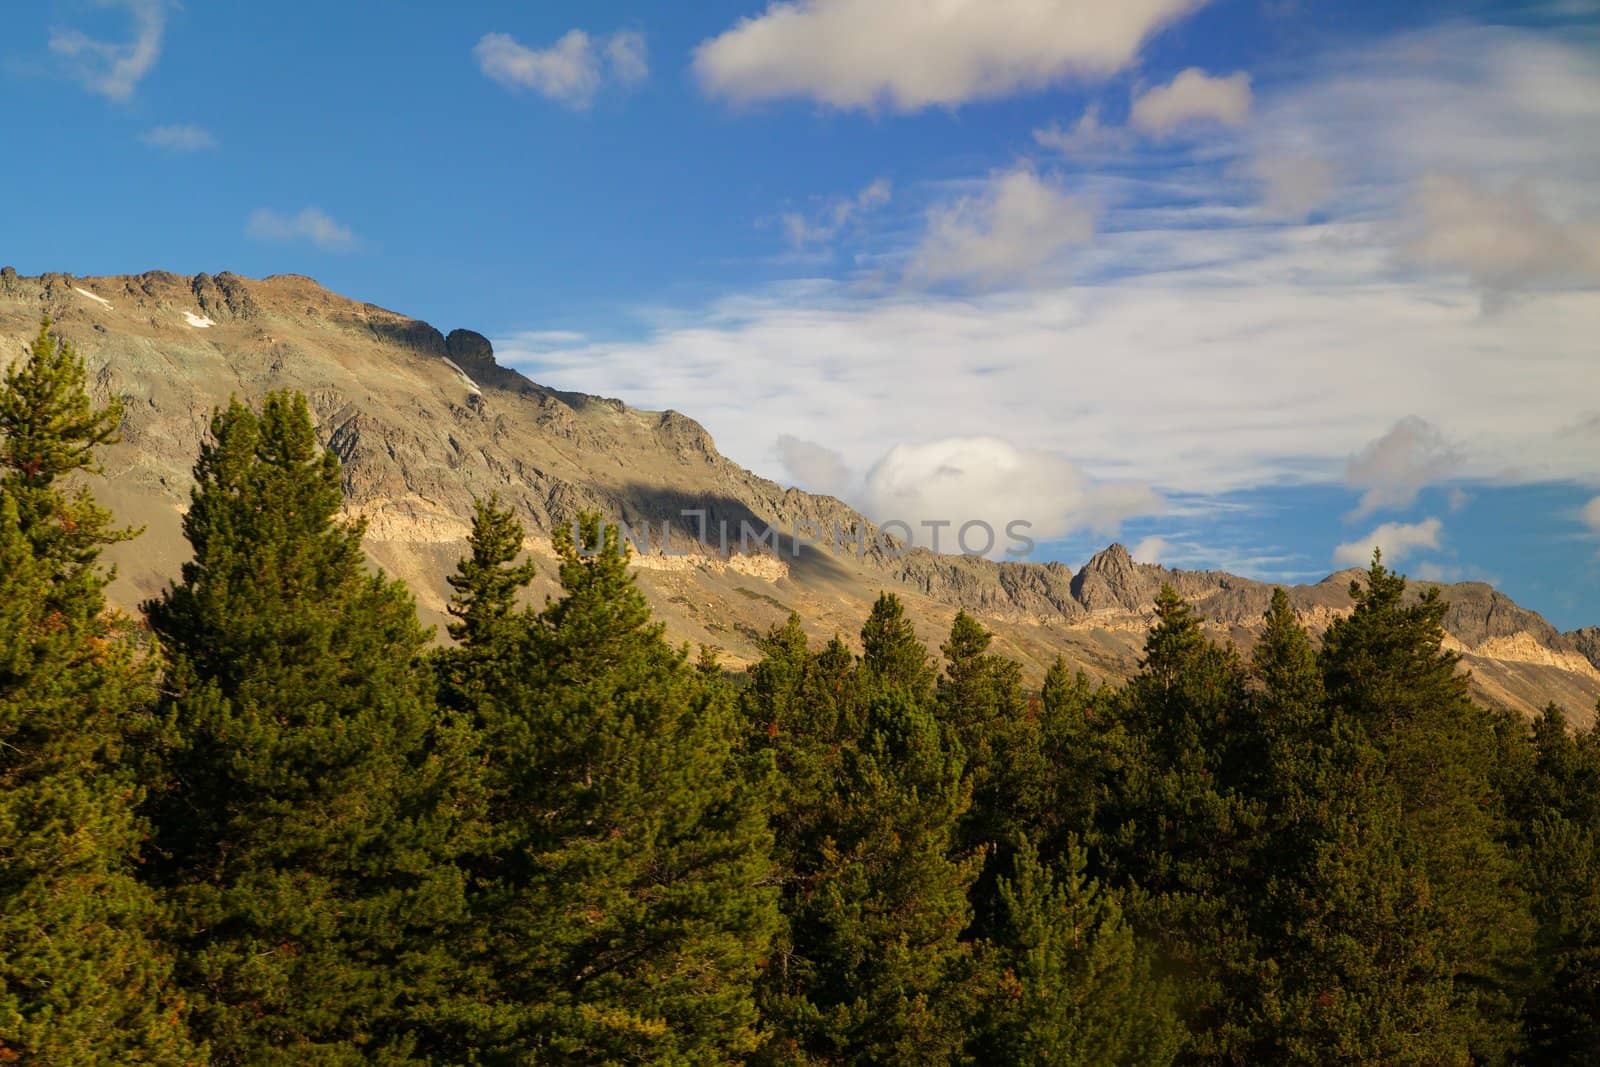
(1338,902)
(873,968)
(83,979)
(315,800)
(1385,666)
(1179,828)
(625,895)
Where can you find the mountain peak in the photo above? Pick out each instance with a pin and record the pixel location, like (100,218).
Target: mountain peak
(1112,581)
(1114,559)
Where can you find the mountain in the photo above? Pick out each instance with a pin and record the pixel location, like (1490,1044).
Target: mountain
(425,422)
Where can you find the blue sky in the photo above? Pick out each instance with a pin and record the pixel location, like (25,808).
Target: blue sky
(1250,285)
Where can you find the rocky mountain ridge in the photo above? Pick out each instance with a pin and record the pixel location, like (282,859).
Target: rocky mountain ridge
(425,421)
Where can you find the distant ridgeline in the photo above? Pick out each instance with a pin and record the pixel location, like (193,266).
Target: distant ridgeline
(424,423)
(271,820)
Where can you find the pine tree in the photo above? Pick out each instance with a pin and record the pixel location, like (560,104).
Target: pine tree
(878,972)
(1076,988)
(83,978)
(50,429)
(1179,830)
(1385,666)
(980,699)
(1356,972)
(489,630)
(1557,809)
(626,908)
(1337,899)
(487,583)
(316,801)
(1083,749)
(872,967)
(892,654)
(792,711)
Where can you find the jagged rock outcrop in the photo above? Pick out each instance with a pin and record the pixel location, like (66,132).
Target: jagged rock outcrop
(425,422)
(1587,642)
(224,298)
(470,349)
(1112,581)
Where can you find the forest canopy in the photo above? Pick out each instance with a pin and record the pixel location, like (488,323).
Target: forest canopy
(273,821)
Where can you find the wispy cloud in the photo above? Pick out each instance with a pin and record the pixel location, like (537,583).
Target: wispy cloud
(909,54)
(1397,540)
(1088,134)
(1196,347)
(821,227)
(572,71)
(183,138)
(1393,469)
(1504,240)
(309,225)
(1191,97)
(1294,186)
(114,69)
(1016,223)
(816,467)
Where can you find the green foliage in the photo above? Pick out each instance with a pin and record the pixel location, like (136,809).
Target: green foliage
(562,840)
(83,980)
(50,429)
(1386,668)
(981,699)
(876,970)
(486,583)
(1341,908)
(623,899)
(891,653)
(1075,988)
(872,967)
(1179,829)
(1556,804)
(314,800)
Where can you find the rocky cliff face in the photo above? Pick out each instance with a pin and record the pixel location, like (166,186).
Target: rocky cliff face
(424,422)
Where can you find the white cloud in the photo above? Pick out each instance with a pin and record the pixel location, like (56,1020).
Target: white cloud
(1393,469)
(1504,240)
(1591,514)
(1396,539)
(1197,349)
(627,55)
(179,138)
(1151,550)
(1193,96)
(309,224)
(1293,186)
(1275,367)
(911,54)
(958,480)
(839,213)
(1467,151)
(1016,224)
(114,68)
(572,71)
(815,467)
(1088,134)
